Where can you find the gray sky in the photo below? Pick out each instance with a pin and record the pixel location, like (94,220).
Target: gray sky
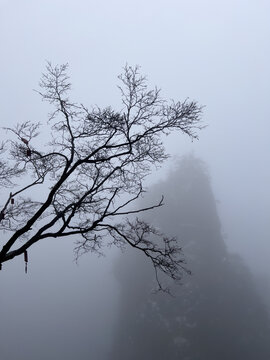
(216,52)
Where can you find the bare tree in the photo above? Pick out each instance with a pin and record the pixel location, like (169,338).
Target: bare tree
(91,171)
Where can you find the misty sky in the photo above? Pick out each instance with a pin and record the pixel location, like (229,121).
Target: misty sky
(215,52)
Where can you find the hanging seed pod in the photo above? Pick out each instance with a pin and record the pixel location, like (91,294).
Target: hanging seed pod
(25,256)
(2,215)
(28,152)
(25,260)
(12,201)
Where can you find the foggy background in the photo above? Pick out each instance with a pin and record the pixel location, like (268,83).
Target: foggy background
(215,52)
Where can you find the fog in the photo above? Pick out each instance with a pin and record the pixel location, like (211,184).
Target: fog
(216,53)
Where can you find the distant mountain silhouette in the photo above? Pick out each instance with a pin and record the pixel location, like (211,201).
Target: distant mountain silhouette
(216,313)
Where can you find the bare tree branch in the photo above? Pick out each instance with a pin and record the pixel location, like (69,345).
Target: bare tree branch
(91,171)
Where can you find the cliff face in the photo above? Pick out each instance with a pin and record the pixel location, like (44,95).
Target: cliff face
(216,312)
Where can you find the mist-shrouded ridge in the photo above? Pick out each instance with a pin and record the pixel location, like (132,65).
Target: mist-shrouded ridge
(216,312)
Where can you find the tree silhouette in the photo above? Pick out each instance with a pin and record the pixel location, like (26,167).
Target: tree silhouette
(90,171)
(216,313)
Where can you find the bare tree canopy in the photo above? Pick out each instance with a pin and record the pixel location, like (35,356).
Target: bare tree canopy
(91,171)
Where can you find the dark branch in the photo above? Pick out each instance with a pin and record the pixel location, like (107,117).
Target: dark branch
(91,171)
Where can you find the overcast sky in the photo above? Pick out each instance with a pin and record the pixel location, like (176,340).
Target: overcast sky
(215,52)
